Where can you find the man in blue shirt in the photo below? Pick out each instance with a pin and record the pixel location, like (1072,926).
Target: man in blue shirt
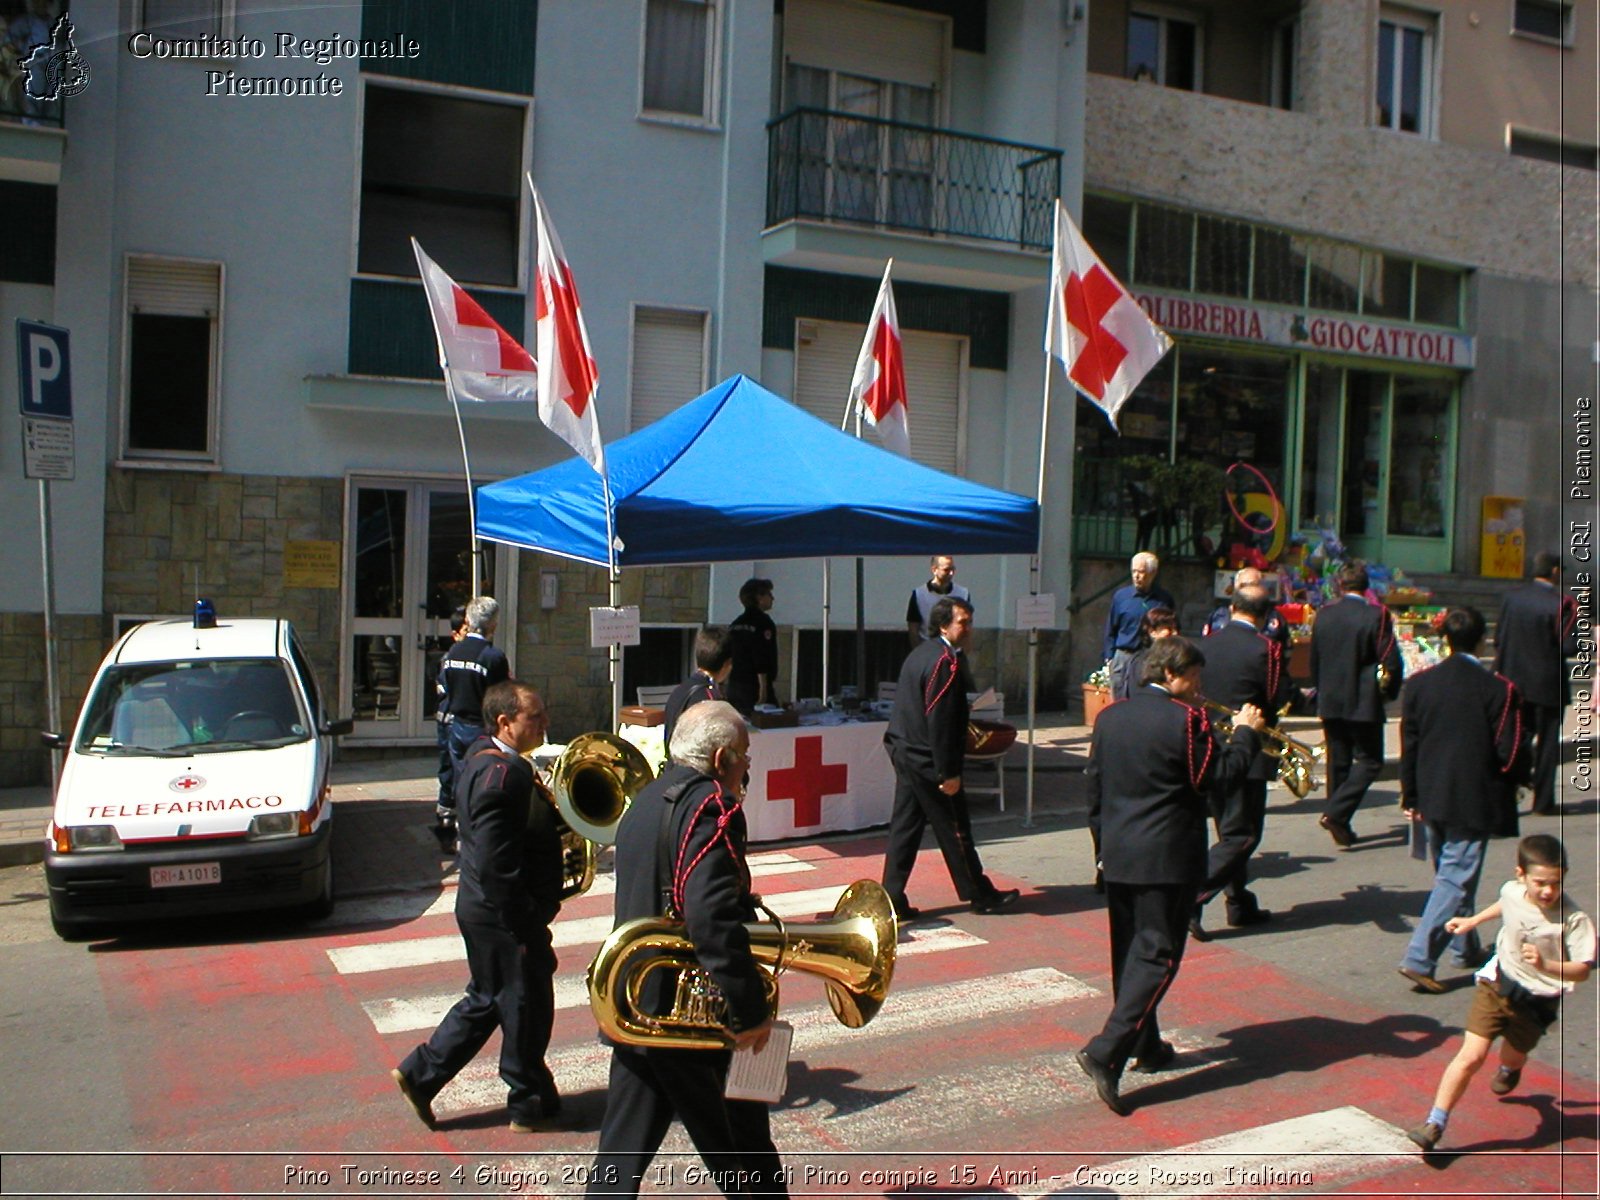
(1128,606)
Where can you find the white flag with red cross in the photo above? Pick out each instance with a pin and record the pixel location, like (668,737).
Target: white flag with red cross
(481,360)
(1103,338)
(879,384)
(568,376)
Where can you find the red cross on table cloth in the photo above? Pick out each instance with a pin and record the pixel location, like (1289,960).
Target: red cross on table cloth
(808,781)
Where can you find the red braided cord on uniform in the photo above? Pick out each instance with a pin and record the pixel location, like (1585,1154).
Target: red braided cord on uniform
(1566,618)
(1191,714)
(680,878)
(929,696)
(1385,634)
(1274,665)
(1512,709)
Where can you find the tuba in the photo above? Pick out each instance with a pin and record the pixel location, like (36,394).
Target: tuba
(593,781)
(1296,759)
(853,951)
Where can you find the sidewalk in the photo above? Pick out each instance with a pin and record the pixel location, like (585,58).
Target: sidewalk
(383,808)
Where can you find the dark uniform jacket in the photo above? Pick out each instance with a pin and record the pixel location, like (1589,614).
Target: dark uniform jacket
(1461,744)
(927,731)
(755,652)
(1275,627)
(1536,633)
(1246,667)
(1348,640)
(682,842)
(687,694)
(510,858)
(469,668)
(1152,762)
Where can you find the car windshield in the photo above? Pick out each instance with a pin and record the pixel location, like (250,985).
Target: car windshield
(178,708)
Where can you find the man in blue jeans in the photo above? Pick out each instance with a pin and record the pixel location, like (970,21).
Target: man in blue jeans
(1461,752)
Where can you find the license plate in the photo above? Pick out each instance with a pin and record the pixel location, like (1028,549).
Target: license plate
(186,876)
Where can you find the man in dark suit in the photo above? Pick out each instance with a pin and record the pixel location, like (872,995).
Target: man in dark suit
(1536,634)
(1460,740)
(1350,640)
(927,741)
(1243,666)
(509,893)
(681,851)
(1152,761)
(713,659)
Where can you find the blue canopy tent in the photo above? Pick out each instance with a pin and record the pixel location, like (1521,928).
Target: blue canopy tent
(741,473)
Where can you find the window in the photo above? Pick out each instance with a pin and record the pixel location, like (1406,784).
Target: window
(1281,86)
(1551,148)
(1163,246)
(679,71)
(1405,72)
(180,19)
(450,167)
(171,346)
(1164,48)
(669,361)
(1550,19)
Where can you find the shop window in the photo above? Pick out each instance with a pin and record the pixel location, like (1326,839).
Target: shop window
(1280,267)
(1163,246)
(1221,257)
(172,332)
(1164,48)
(669,361)
(679,69)
(1438,296)
(1405,71)
(1362,475)
(1386,289)
(1106,227)
(1419,446)
(1335,269)
(1319,453)
(1114,510)
(1548,19)
(448,169)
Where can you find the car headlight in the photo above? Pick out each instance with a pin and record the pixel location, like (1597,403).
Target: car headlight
(274,825)
(87,838)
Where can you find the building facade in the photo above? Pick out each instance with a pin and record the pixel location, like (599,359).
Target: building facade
(220,216)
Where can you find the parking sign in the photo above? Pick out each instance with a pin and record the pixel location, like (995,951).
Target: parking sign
(44,371)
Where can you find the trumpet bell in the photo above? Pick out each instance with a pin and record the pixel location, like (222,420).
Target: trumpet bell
(595,780)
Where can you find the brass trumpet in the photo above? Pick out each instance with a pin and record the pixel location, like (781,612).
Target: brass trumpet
(591,786)
(1296,759)
(853,952)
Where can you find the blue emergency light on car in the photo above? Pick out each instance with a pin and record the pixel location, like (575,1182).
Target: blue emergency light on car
(205,614)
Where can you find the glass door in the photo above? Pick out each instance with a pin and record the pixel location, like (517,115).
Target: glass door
(410,567)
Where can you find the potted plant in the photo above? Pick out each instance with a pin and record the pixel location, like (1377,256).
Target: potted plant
(1096,692)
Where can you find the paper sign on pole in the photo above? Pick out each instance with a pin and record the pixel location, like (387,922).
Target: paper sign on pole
(1036,612)
(614,626)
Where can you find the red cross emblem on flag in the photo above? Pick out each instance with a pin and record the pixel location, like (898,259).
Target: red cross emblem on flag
(808,781)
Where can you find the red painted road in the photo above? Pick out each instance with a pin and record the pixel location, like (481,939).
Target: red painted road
(252,1067)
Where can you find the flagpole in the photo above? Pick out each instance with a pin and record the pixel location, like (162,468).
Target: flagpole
(472,502)
(1035,566)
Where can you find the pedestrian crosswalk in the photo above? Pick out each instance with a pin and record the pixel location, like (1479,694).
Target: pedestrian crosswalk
(971,1060)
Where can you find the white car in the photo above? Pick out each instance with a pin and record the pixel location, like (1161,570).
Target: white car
(196,780)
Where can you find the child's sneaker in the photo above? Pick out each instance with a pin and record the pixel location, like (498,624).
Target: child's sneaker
(1505,1081)
(1426,1135)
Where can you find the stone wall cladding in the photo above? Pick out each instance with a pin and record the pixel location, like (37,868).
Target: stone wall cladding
(1328,175)
(81,642)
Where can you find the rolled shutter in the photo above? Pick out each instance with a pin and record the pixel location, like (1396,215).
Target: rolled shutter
(669,362)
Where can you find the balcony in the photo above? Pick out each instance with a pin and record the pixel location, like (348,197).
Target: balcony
(868,173)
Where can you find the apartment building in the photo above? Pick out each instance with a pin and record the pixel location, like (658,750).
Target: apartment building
(220,214)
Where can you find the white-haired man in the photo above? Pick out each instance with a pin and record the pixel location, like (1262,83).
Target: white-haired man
(1126,616)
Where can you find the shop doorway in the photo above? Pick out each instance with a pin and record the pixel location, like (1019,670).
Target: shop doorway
(408,566)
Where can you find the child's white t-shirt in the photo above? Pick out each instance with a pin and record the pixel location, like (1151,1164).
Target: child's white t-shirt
(1567,935)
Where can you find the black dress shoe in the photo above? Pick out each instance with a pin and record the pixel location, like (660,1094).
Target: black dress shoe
(906,912)
(1343,836)
(1105,1083)
(1251,916)
(1159,1059)
(996,901)
(1197,931)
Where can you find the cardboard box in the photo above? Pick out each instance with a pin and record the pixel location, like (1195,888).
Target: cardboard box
(787,719)
(637,714)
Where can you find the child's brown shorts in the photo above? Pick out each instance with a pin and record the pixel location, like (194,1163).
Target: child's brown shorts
(1493,1015)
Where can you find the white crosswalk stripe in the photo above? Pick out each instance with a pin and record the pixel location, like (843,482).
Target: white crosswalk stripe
(585,1067)
(425,1012)
(580,931)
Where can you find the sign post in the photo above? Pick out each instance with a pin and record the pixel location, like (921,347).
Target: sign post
(44,395)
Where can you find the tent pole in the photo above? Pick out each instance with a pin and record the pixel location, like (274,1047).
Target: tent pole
(1035,570)
(614,651)
(827,601)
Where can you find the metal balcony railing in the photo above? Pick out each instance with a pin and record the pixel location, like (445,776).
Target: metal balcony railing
(853,170)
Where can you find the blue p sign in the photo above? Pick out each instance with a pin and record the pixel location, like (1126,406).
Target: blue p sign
(43,367)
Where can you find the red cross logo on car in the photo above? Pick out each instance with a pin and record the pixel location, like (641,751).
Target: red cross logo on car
(186,783)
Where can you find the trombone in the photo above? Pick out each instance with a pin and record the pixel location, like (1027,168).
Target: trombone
(1296,759)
